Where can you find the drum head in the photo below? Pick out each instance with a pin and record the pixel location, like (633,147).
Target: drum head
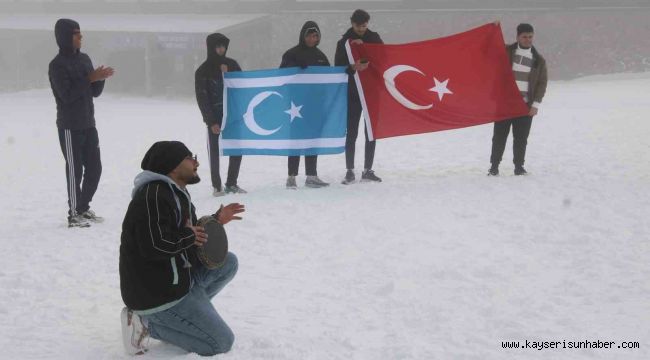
(213,253)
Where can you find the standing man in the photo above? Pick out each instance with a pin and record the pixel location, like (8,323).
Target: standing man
(166,290)
(74,83)
(306,53)
(208,84)
(529,68)
(358,33)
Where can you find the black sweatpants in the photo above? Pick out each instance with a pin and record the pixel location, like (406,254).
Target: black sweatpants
(354,116)
(213,154)
(520,130)
(311,161)
(83,167)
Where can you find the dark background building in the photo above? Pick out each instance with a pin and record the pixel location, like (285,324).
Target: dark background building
(155,46)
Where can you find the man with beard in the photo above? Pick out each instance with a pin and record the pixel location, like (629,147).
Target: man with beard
(208,84)
(529,68)
(166,290)
(74,83)
(357,33)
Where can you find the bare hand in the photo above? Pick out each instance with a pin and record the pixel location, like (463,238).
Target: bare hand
(200,237)
(216,129)
(224,68)
(356,41)
(229,212)
(533,111)
(360,66)
(101,73)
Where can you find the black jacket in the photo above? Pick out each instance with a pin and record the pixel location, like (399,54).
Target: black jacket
(157,248)
(341,56)
(68,73)
(301,55)
(208,80)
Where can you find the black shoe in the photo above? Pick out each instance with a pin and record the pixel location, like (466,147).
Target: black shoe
(519,170)
(493,171)
(369,175)
(78,221)
(349,178)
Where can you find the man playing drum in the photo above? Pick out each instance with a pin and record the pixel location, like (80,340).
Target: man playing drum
(166,289)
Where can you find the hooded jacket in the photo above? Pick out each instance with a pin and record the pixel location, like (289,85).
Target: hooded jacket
(302,55)
(208,80)
(157,248)
(538,76)
(341,56)
(68,73)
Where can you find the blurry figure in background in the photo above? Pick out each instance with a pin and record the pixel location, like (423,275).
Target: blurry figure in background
(357,33)
(166,289)
(74,83)
(208,84)
(529,68)
(305,54)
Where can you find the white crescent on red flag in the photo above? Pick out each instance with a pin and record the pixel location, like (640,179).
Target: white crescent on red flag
(447,83)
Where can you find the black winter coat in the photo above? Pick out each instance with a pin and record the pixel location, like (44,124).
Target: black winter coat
(301,55)
(68,73)
(156,246)
(208,80)
(341,56)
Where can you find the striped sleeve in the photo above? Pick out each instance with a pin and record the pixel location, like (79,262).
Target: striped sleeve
(158,235)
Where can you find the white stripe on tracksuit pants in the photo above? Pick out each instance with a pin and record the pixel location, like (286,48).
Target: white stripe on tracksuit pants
(83,166)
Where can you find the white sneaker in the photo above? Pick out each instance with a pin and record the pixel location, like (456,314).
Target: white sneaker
(314,181)
(291,183)
(217,192)
(135,334)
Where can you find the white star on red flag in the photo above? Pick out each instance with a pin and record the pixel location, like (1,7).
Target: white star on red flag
(440,88)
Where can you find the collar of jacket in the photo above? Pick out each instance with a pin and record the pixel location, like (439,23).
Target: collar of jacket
(147,176)
(513,47)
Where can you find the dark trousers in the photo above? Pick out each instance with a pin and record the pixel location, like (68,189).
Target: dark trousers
(354,116)
(520,131)
(213,154)
(310,165)
(83,167)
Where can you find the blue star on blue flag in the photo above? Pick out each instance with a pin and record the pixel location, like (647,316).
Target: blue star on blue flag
(289,111)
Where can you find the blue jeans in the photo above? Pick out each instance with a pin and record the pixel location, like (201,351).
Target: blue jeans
(194,324)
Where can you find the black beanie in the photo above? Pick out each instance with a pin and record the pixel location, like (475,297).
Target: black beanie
(164,156)
(524,28)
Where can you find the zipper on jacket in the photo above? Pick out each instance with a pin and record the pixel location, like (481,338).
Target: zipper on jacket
(175,270)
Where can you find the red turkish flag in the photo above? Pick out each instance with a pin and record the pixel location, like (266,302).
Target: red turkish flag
(447,83)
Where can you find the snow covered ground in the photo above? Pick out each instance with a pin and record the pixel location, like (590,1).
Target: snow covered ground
(437,262)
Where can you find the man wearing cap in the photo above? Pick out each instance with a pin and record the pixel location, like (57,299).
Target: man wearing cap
(166,290)
(529,68)
(74,83)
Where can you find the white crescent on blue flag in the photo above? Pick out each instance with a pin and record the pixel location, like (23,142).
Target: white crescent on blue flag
(289,111)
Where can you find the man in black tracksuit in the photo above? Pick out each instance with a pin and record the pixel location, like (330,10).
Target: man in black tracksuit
(166,290)
(306,53)
(74,84)
(358,32)
(208,84)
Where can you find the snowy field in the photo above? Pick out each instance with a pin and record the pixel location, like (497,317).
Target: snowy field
(437,262)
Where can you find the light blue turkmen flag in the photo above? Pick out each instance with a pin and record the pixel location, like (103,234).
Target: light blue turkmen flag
(287,111)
